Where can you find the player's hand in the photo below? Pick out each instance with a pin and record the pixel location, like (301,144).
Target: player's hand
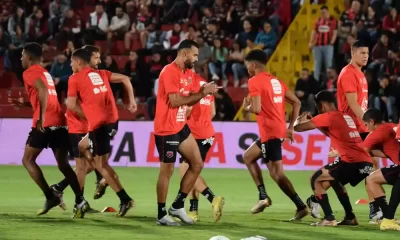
(290,135)
(39,124)
(333,153)
(131,106)
(209,88)
(246,104)
(303,116)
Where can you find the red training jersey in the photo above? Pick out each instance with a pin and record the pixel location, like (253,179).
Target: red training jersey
(54,115)
(92,87)
(169,120)
(384,139)
(75,124)
(351,80)
(271,119)
(199,120)
(344,135)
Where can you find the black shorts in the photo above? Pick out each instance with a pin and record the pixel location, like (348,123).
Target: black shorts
(99,139)
(52,137)
(272,150)
(75,139)
(258,142)
(204,147)
(352,173)
(364,135)
(391,173)
(167,146)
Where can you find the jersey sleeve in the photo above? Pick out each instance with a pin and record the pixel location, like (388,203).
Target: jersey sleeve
(30,77)
(72,86)
(349,82)
(374,138)
(107,75)
(254,90)
(322,120)
(171,81)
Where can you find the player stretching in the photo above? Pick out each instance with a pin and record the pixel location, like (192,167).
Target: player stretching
(98,107)
(354,165)
(267,100)
(171,132)
(48,129)
(83,141)
(200,125)
(352,98)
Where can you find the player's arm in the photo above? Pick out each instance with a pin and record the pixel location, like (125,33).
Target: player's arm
(349,86)
(378,153)
(126,82)
(351,98)
(303,123)
(213,110)
(41,88)
(253,104)
(373,140)
(74,105)
(296,104)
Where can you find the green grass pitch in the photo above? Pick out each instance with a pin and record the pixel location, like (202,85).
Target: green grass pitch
(21,198)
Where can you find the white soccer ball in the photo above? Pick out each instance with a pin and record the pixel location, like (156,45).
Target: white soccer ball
(255,238)
(219,238)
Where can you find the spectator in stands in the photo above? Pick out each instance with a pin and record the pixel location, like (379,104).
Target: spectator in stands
(155,39)
(130,36)
(98,23)
(266,39)
(37,27)
(177,11)
(235,17)
(4,41)
(120,24)
(220,10)
(305,90)
(255,10)
(174,37)
(331,84)
(251,45)
(152,101)
(70,29)
(61,71)
(13,55)
(373,86)
(380,53)
(18,38)
(16,19)
(57,10)
(391,23)
(111,65)
(208,16)
(323,38)
(69,49)
(192,33)
(217,65)
(235,64)
(386,96)
(347,48)
(144,24)
(49,52)
(225,109)
(370,27)
(131,68)
(212,32)
(205,55)
(242,37)
(156,64)
(392,67)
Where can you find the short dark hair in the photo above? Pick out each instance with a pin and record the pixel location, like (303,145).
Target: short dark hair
(92,49)
(372,114)
(34,50)
(325,96)
(359,44)
(100,4)
(187,44)
(82,54)
(324,7)
(384,76)
(257,55)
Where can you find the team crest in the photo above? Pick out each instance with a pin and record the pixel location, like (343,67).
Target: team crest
(190,80)
(170,154)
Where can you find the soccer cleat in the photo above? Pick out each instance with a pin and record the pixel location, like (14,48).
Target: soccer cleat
(181,214)
(217,205)
(376,218)
(80,209)
(101,187)
(389,224)
(261,205)
(124,207)
(59,194)
(347,222)
(325,223)
(194,215)
(314,207)
(49,204)
(300,214)
(167,221)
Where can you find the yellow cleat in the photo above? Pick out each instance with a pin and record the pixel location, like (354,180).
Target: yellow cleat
(389,224)
(194,215)
(218,205)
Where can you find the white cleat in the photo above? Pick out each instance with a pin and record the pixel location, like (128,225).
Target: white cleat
(314,207)
(181,214)
(261,205)
(167,221)
(376,218)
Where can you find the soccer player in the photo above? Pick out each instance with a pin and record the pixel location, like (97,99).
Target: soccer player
(48,129)
(98,107)
(267,100)
(200,125)
(171,132)
(354,165)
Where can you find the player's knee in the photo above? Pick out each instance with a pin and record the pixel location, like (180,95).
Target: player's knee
(196,166)
(314,179)
(276,175)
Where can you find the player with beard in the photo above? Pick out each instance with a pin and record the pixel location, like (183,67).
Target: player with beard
(267,99)
(48,129)
(200,124)
(353,166)
(99,108)
(352,98)
(171,132)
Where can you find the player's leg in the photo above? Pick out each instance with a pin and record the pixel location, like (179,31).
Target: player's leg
(272,153)
(100,140)
(343,197)
(36,142)
(250,157)
(374,210)
(374,187)
(388,221)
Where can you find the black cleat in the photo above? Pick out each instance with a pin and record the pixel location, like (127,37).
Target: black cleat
(80,209)
(49,204)
(101,187)
(124,207)
(59,194)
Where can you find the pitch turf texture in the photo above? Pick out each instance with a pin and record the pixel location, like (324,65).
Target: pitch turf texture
(21,198)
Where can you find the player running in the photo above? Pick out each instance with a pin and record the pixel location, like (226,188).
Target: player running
(267,100)
(98,107)
(48,129)
(352,98)
(200,125)
(171,132)
(354,165)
